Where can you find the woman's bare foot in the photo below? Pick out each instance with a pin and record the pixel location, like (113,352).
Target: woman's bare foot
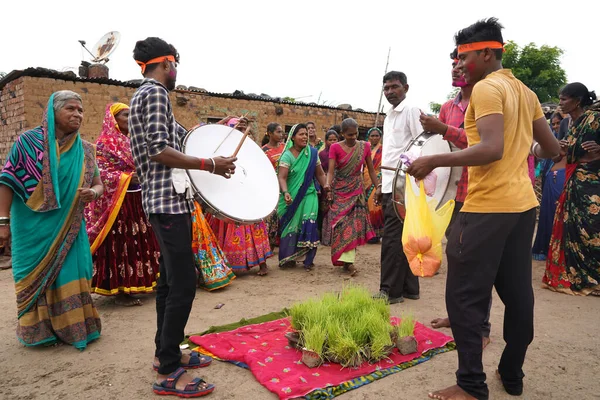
(451,393)
(440,323)
(127,300)
(263,270)
(485,342)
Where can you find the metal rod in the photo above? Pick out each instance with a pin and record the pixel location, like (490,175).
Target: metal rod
(227,136)
(387,63)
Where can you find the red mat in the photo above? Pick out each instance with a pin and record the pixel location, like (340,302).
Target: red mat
(277,366)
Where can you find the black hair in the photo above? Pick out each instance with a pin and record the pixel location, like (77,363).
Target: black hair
(482,31)
(310,123)
(348,123)
(395,76)
(556,115)
(374,129)
(272,127)
(454,54)
(336,128)
(577,90)
(331,132)
(153,47)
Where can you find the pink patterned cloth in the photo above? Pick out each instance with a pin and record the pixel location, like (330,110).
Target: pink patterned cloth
(278,367)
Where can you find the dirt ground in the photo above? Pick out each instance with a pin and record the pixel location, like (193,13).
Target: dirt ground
(562,362)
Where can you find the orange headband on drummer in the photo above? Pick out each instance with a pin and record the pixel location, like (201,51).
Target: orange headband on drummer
(154,61)
(464,48)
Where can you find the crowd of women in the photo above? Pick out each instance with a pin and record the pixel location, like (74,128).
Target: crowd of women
(74,214)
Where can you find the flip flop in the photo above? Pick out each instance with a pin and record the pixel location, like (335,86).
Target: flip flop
(191,390)
(196,361)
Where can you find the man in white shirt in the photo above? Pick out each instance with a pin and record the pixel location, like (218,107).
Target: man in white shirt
(401,125)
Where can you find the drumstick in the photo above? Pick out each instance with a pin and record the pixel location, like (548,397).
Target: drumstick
(388,168)
(239,146)
(227,136)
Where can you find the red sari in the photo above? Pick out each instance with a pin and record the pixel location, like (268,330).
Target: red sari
(348,219)
(124,249)
(274,155)
(375,211)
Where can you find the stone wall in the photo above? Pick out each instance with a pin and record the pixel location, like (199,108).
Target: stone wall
(22,103)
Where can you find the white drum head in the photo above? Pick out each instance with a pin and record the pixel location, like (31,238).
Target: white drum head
(252,193)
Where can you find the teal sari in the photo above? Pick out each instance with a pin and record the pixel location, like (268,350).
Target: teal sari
(52,264)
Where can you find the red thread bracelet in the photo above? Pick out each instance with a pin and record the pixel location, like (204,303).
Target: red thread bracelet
(202,164)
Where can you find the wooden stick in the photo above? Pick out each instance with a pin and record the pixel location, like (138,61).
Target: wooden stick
(239,146)
(388,168)
(232,129)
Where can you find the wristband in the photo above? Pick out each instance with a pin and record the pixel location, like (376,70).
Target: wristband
(214,166)
(202,161)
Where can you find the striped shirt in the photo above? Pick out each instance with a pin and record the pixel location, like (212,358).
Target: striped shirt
(453,115)
(153,128)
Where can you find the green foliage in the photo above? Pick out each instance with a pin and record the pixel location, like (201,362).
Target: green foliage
(537,67)
(435,107)
(407,326)
(290,99)
(348,328)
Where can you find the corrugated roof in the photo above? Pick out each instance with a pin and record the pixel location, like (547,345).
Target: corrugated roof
(71,76)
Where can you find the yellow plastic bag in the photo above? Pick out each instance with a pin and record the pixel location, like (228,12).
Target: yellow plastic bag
(424,228)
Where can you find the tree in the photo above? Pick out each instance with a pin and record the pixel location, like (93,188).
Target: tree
(537,67)
(435,107)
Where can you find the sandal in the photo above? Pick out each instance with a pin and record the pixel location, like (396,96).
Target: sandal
(192,389)
(196,361)
(351,269)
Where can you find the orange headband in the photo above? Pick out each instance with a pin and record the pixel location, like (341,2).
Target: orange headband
(154,61)
(463,48)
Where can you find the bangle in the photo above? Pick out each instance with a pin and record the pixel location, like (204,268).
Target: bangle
(214,166)
(202,161)
(379,185)
(96,195)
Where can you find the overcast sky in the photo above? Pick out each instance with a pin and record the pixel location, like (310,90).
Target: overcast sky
(303,49)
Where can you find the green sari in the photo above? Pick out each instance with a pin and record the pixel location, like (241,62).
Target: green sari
(52,264)
(298,229)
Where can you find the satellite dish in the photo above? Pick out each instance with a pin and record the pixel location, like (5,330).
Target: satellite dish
(105,46)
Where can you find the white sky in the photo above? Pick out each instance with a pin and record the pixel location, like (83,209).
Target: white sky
(297,49)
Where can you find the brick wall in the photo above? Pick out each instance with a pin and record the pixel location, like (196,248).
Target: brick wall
(22,103)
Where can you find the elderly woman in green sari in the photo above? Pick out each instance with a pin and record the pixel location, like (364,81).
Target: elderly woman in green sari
(298,208)
(49,176)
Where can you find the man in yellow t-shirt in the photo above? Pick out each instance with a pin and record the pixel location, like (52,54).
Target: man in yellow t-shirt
(490,243)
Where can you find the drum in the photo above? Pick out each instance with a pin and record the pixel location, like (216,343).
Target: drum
(252,192)
(427,144)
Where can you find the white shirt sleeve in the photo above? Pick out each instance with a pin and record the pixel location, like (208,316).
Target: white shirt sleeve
(414,123)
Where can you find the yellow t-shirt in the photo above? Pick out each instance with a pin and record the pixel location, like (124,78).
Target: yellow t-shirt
(503,186)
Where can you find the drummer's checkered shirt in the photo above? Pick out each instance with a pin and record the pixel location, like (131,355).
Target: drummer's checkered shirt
(153,128)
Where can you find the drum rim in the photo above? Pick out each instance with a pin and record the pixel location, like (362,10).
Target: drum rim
(399,168)
(198,193)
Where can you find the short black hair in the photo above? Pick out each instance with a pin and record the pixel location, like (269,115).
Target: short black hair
(395,76)
(578,90)
(454,54)
(482,31)
(349,123)
(336,128)
(556,115)
(153,47)
(272,126)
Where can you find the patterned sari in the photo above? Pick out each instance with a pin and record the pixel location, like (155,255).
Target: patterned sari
(573,264)
(348,219)
(375,212)
(274,155)
(123,245)
(298,221)
(210,261)
(52,263)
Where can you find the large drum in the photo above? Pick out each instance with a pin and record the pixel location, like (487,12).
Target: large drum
(251,194)
(427,144)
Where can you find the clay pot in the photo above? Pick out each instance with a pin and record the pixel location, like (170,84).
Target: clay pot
(311,359)
(293,340)
(407,345)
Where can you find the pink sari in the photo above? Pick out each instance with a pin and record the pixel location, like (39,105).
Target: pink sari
(348,218)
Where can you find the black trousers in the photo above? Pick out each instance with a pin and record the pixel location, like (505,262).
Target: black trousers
(486,328)
(486,250)
(396,277)
(176,287)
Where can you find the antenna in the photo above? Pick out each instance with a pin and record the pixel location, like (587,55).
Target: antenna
(104,47)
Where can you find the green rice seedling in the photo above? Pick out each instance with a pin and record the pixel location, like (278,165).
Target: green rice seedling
(314,336)
(407,326)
